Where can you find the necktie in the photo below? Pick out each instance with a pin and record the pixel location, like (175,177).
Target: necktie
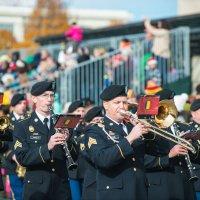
(46,124)
(123,127)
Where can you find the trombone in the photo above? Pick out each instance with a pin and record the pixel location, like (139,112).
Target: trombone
(167,113)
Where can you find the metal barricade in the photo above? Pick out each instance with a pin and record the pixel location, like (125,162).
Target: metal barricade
(89,78)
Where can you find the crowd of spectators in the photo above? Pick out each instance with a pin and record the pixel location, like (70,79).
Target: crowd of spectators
(17,71)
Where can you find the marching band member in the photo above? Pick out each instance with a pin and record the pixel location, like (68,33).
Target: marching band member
(88,170)
(195,127)
(167,169)
(116,149)
(18,105)
(39,149)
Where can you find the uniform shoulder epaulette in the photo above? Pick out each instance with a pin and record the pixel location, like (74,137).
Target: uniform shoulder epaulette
(25,118)
(100,123)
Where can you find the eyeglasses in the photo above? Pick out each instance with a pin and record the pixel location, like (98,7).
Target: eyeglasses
(48,96)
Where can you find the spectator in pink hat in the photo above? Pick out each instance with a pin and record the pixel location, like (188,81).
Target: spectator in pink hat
(74,35)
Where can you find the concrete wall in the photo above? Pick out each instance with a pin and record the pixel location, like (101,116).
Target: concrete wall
(187,7)
(195,72)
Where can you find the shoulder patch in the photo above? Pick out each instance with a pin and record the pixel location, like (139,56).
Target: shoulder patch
(17,144)
(91,141)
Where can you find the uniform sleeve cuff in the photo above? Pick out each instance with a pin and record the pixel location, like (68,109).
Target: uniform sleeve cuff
(163,161)
(124,148)
(44,153)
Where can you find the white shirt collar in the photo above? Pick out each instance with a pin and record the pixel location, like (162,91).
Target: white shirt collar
(16,115)
(114,120)
(123,125)
(41,117)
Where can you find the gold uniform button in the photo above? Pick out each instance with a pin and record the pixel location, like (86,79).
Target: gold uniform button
(53,170)
(52,160)
(107,187)
(181,172)
(134,169)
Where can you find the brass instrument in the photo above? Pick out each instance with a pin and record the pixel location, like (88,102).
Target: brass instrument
(4,123)
(21,171)
(167,113)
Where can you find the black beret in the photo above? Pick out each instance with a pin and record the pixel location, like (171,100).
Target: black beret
(166,94)
(113,91)
(96,111)
(41,87)
(198,89)
(195,105)
(16,99)
(74,105)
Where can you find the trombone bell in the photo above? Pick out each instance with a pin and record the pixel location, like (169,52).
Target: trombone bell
(167,114)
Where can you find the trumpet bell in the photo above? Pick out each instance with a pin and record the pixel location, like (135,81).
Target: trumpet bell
(167,114)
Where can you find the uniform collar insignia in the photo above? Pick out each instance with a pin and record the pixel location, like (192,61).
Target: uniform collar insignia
(111,133)
(31,129)
(13,119)
(36,120)
(111,124)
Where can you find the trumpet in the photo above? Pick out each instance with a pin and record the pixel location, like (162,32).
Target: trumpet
(158,131)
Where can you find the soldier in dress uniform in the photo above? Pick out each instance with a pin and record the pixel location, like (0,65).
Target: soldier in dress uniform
(167,171)
(116,149)
(5,135)
(87,170)
(195,127)
(76,108)
(18,106)
(39,149)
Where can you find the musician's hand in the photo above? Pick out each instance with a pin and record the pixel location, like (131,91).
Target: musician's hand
(137,132)
(64,131)
(56,139)
(134,119)
(177,150)
(15,159)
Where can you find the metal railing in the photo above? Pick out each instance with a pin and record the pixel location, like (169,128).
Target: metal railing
(89,78)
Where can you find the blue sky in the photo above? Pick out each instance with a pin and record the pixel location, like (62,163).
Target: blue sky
(140,8)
